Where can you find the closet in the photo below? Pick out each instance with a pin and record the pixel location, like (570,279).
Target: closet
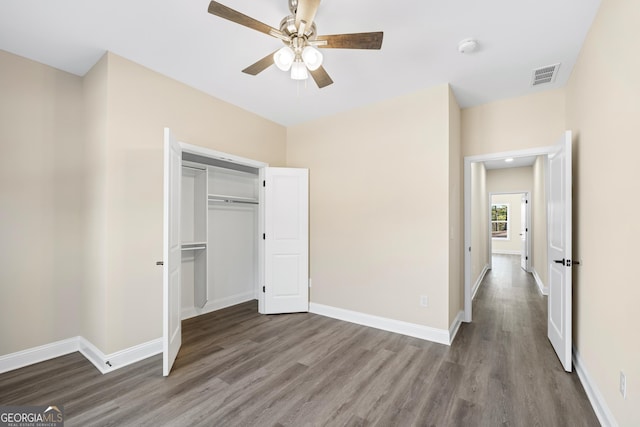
(234,230)
(219,234)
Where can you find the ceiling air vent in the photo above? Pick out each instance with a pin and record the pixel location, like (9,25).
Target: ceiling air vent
(545,75)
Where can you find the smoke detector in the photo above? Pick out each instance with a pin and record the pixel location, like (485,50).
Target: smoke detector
(467,46)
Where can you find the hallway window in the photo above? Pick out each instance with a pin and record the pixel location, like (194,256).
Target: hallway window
(500,221)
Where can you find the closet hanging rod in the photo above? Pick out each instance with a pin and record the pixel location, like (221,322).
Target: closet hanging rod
(246,202)
(193,248)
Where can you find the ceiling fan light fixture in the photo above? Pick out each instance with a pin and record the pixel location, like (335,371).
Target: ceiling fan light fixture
(312,57)
(299,71)
(284,58)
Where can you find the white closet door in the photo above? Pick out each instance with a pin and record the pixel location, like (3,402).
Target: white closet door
(172,252)
(286,246)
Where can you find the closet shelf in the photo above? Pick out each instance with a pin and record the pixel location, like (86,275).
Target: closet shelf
(221,198)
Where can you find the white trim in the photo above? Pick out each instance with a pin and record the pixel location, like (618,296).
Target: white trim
(505,252)
(440,336)
(92,354)
(42,353)
(20,359)
(219,155)
(455,326)
(218,304)
(598,403)
(544,289)
(479,280)
(110,362)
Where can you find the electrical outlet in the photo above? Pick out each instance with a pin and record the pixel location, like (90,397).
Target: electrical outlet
(623,385)
(424,301)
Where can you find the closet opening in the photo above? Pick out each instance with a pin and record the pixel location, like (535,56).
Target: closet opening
(220,221)
(235,230)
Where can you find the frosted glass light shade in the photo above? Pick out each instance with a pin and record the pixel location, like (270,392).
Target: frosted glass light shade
(312,57)
(283,58)
(299,71)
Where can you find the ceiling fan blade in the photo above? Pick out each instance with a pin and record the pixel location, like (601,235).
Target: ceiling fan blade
(321,77)
(260,66)
(351,41)
(306,11)
(225,12)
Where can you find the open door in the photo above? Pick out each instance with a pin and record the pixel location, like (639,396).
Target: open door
(286,240)
(524,230)
(172,253)
(559,251)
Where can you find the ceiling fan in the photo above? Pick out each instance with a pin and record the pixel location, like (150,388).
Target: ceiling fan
(298,32)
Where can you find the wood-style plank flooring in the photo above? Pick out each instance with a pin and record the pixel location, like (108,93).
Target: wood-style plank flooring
(238,368)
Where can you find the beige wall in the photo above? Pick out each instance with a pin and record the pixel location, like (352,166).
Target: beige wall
(140,104)
(456,223)
(479,221)
(539,221)
(81,195)
(525,122)
(529,121)
(603,110)
(510,180)
(95,283)
(379,198)
(41,204)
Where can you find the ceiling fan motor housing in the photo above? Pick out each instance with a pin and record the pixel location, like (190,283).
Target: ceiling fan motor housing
(288,26)
(293,6)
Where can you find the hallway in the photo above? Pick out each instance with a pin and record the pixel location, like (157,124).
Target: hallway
(512,370)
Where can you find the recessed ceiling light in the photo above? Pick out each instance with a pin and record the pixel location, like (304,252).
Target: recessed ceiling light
(509,159)
(467,46)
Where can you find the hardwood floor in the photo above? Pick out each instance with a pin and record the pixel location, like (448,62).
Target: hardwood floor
(238,368)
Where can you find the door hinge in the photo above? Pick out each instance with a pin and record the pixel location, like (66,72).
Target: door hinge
(526,258)
(264,236)
(264,183)
(526,230)
(264,289)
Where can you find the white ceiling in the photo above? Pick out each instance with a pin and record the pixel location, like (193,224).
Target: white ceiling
(181,40)
(518,162)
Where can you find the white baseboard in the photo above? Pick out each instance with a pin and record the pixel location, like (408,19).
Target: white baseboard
(110,362)
(453,329)
(505,252)
(219,304)
(598,403)
(27,357)
(45,352)
(478,281)
(411,329)
(544,290)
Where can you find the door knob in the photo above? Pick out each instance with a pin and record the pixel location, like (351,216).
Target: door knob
(159,263)
(559,261)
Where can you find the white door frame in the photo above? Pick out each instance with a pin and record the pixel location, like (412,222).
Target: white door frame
(542,151)
(229,158)
(527,223)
